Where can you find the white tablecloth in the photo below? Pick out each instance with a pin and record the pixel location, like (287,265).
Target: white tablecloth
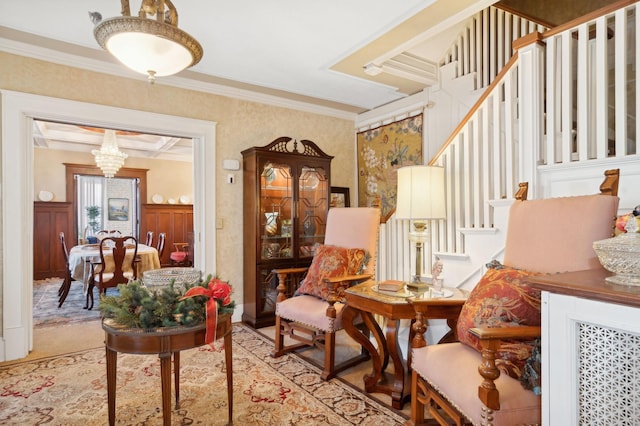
(81,256)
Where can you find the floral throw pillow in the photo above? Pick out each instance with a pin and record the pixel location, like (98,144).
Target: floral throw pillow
(502,299)
(329,262)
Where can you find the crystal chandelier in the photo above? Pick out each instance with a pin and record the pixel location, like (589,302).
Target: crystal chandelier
(109,158)
(150,46)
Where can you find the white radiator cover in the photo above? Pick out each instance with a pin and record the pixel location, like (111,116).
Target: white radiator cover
(590,361)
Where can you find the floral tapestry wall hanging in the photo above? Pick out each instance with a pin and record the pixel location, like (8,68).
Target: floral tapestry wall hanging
(381,152)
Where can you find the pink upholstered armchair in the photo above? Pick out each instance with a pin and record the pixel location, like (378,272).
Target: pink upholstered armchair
(314,315)
(479,379)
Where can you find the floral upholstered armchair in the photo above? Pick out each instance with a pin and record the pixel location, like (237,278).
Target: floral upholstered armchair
(314,314)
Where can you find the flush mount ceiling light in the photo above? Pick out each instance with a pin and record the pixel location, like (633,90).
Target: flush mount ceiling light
(150,43)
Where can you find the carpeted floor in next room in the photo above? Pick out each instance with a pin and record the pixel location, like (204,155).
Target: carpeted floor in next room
(63,381)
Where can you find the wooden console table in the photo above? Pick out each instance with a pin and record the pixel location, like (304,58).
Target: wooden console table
(365,300)
(165,343)
(589,284)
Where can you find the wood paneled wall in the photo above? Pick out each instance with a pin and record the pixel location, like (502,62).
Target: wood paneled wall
(176,220)
(49,219)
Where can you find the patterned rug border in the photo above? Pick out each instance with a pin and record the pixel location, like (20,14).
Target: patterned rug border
(312,366)
(341,400)
(317,370)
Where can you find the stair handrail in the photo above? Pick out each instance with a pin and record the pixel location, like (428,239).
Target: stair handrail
(487,92)
(588,17)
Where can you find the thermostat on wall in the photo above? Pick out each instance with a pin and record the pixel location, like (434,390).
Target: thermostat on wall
(231,164)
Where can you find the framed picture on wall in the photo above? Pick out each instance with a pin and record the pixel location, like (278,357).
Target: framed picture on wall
(339,197)
(118,208)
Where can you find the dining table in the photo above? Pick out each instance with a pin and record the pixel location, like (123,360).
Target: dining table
(81,257)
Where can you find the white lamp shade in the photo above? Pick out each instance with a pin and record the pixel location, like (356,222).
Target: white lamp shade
(421,193)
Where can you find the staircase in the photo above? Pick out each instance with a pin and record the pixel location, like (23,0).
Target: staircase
(559,112)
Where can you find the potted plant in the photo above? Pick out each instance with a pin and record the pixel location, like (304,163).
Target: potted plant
(93,213)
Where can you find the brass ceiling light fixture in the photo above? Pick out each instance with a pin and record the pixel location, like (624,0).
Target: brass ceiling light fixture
(150,43)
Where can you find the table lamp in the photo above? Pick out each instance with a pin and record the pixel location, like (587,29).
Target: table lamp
(420,199)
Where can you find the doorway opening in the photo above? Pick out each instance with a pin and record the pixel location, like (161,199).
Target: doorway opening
(98,203)
(19,112)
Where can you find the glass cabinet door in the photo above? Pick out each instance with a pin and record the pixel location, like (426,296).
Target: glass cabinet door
(276,207)
(312,209)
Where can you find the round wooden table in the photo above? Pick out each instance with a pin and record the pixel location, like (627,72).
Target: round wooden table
(165,342)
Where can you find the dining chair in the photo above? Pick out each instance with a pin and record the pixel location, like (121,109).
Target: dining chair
(160,247)
(63,291)
(113,251)
(180,257)
(313,315)
(149,243)
(108,233)
(491,374)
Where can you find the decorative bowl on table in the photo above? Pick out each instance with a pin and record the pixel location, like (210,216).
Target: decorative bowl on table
(157,279)
(621,255)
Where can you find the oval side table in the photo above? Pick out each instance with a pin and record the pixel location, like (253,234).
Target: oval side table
(165,342)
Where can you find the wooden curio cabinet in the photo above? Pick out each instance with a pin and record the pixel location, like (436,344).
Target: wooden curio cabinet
(286,199)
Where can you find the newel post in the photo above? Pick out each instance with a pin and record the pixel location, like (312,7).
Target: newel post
(531,51)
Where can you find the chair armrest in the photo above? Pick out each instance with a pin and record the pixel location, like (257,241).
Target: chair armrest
(288,271)
(291,275)
(181,246)
(518,332)
(490,338)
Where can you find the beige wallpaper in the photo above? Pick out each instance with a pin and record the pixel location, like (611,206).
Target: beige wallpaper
(241,124)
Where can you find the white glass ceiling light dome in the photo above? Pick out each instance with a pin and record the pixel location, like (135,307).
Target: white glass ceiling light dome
(150,43)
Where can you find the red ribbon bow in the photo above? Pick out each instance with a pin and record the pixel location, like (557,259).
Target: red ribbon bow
(217,290)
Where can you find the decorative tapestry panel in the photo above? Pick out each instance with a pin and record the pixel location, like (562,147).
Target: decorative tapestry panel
(381,152)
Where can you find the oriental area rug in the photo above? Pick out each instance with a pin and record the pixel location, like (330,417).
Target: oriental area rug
(45,304)
(71,389)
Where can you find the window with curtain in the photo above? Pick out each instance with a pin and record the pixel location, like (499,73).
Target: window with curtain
(111,204)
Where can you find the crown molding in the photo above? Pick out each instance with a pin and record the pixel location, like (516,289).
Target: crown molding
(98,61)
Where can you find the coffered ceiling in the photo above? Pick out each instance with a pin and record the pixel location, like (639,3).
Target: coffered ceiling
(70,137)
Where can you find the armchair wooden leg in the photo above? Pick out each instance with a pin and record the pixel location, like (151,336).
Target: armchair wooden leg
(279,339)
(329,356)
(418,399)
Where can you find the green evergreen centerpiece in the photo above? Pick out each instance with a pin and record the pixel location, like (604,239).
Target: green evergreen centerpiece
(138,307)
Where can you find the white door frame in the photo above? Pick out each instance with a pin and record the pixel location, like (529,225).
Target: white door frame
(16,192)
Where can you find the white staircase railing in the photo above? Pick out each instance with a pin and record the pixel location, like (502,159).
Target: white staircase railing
(485,44)
(591,89)
(566,98)
(476,172)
